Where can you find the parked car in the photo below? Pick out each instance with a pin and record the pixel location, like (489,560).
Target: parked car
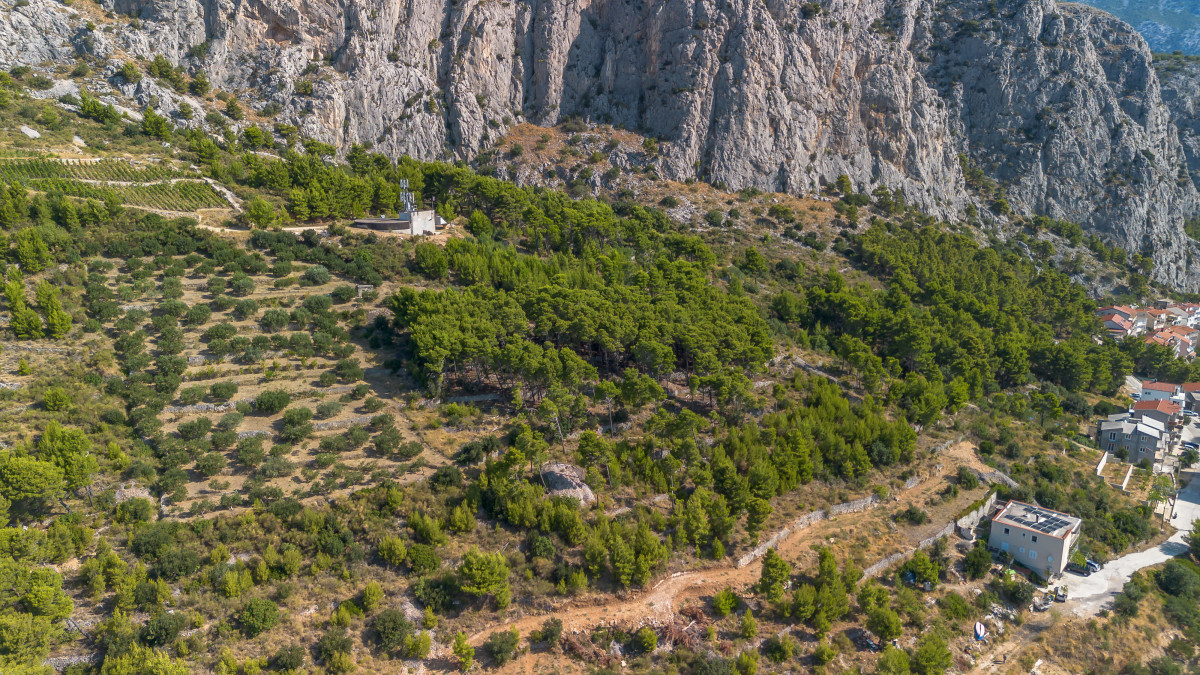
(1093,566)
(1192,445)
(1081,570)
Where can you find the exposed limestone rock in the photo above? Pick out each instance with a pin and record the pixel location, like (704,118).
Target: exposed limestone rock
(1057,103)
(566,480)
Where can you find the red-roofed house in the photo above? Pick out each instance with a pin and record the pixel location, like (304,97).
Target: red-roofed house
(1180,339)
(1137,319)
(1159,391)
(1118,326)
(1163,411)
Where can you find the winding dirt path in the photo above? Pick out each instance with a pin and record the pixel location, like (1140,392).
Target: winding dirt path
(661,601)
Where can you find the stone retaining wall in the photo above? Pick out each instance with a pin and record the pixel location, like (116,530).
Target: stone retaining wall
(805,521)
(341,424)
(61,663)
(205,407)
(967,524)
(876,569)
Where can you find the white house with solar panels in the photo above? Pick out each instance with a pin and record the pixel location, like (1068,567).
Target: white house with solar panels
(1036,537)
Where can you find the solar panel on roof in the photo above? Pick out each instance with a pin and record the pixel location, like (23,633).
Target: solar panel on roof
(1045,524)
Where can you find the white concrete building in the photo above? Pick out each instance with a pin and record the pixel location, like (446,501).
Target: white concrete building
(1036,537)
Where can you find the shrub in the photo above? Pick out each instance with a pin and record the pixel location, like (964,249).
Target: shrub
(645,640)
(913,516)
(954,606)
(163,628)
(316,275)
(56,399)
(196,429)
(136,510)
(391,629)
(392,550)
(931,657)
(130,73)
(258,615)
(423,559)
(779,649)
(502,645)
(430,261)
(748,627)
(223,391)
(334,641)
(250,452)
(824,653)
(191,395)
(272,401)
(210,464)
(550,632)
(372,596)
(884,623)
(725,602)
(328,409)
(978,562)
(288,658)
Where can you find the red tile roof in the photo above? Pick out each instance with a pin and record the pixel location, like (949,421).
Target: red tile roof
(1119,320)
(1159,386)
(1161,406)
(1191,386)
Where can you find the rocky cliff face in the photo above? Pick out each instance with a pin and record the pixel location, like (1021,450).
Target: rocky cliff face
(1058,104)
(1180,83)
(1167,25)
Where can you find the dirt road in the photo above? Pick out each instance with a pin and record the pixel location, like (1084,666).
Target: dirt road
(662,600)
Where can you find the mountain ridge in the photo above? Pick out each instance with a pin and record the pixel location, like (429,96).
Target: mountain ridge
(1167,26)
(1058,107)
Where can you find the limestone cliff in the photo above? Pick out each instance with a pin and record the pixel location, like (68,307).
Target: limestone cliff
(1058,104)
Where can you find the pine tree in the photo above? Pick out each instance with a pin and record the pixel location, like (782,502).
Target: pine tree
(464,651)
(58,322)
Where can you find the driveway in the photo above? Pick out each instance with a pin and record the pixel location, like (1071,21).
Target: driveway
(1088,595)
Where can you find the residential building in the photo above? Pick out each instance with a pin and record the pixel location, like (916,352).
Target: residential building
(1180,338)
(1118,326)
(1137,320)
(1036,537)
(1191,396)
(1130,438)
(1165,412)
(1160,391)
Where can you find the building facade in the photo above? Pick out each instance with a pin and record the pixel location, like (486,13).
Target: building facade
(1037,538)
(1132,438)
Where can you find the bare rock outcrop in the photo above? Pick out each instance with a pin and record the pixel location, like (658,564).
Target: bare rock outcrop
(1058,105)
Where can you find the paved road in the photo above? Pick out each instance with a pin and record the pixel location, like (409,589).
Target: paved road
(1088,595)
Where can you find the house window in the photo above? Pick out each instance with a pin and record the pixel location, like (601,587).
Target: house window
(1112,435)
(1034,538)
(1006,530)
(1021,549)
(1004,546)
(1049,558)
(1022,535)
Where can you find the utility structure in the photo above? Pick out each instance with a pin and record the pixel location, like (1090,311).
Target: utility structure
(409,221)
